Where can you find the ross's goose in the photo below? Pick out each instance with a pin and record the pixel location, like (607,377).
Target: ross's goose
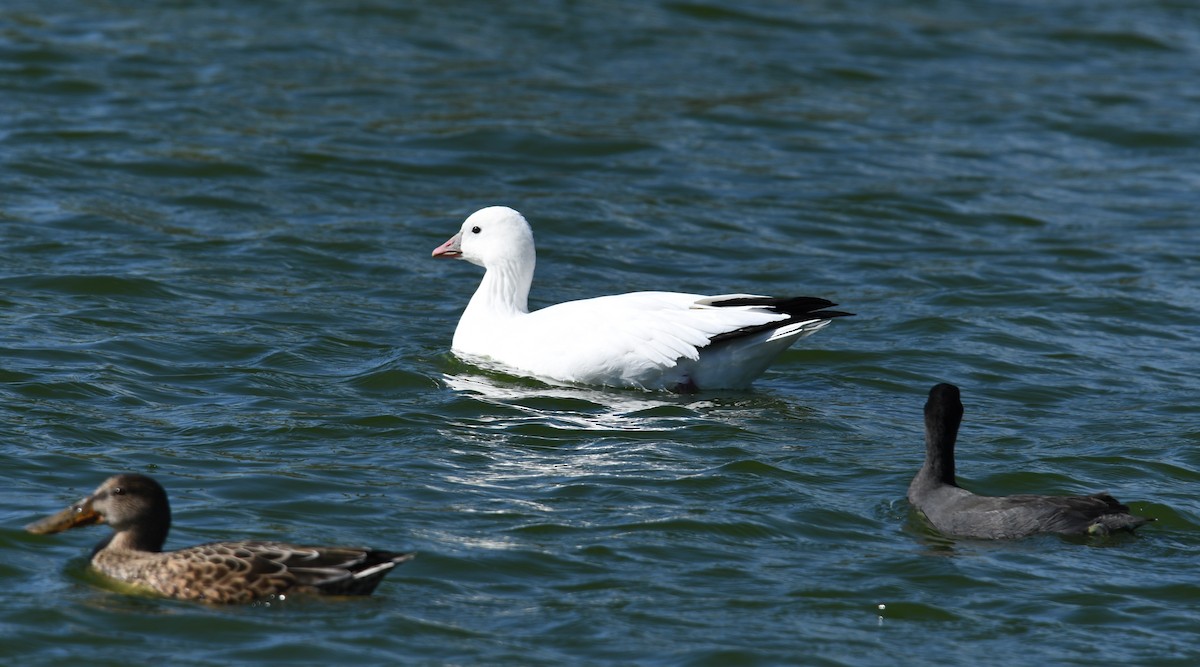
(648,340)
(957,512)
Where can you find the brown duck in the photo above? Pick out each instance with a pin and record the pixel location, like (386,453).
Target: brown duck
(220,572)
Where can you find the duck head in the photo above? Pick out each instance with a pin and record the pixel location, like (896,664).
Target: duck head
(134,505)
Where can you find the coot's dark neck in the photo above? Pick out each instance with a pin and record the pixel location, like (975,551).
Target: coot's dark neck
(943,415)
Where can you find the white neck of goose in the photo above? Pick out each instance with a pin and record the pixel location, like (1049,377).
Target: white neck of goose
(505,288)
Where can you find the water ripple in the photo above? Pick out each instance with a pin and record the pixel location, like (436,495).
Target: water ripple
(214,268)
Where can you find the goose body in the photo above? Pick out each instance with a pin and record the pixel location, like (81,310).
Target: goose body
(647,340)
(954,511)
(136,507)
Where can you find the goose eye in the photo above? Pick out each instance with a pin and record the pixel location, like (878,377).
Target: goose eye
(476,229)
(118,491)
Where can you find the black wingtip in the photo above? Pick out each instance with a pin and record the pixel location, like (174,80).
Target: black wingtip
(805,307)
(797,308)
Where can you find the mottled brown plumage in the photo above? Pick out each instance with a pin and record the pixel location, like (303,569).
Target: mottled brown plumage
(136,507)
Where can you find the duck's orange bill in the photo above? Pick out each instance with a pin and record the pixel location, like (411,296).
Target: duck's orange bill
(79,514)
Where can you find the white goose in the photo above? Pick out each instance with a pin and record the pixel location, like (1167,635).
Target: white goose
(647,340)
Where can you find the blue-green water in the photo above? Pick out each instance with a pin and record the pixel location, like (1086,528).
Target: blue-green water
(215,226)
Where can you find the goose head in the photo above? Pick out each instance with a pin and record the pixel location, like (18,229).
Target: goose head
(491,237)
